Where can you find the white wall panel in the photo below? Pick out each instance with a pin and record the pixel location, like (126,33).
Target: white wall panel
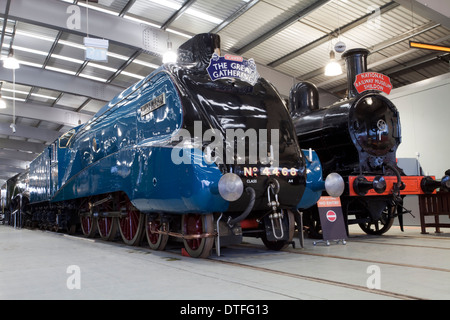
(424,114)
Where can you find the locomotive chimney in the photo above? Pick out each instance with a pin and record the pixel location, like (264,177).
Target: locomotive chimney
(356,61)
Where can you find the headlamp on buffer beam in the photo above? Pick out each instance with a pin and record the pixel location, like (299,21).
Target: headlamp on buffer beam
(334,184)
(231,187)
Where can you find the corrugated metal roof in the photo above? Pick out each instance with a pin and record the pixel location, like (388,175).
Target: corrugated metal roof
(155,11)
(253,23)
(291,38)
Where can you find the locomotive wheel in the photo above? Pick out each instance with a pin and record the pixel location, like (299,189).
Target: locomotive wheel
(88,223)
(278,245)
(107,228)
(382,225)
(155,241)
(131,225)
(196,224)
(88,226)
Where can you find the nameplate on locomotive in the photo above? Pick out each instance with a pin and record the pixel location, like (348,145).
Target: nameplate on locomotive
(232,67)
(373,81)
(153,104)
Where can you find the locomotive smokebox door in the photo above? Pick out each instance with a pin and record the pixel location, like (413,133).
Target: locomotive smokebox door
(374,127)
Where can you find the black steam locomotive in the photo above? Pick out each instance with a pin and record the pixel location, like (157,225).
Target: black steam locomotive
(358,138)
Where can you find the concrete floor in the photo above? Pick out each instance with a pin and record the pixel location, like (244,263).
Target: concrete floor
(45,265)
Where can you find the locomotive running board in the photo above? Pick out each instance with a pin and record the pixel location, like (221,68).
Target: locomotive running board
(412,185)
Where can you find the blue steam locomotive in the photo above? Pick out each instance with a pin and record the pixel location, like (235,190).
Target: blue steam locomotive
(179,154)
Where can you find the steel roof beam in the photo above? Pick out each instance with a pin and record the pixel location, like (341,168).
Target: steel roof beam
(177,13)
(16,164)
(30,132)
(127,8)
(53,14)
(41,112)
(389,6)
(239,12)
(62,82)
(4,177)
(381,62)
(5,21)
(19,155)
(124,66)
(6,174)
(6,168)
(378,47)
(299,15)
(433,10)
(21,145)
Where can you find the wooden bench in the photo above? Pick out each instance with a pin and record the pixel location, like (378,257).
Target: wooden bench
(434,205)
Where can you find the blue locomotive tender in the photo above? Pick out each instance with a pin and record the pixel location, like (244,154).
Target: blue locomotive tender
(174,155)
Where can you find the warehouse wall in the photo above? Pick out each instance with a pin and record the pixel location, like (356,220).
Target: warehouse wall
(425,118)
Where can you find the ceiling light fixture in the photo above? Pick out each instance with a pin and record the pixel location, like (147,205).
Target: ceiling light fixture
(10,62)
(428,46)
(169,56)
(333,68)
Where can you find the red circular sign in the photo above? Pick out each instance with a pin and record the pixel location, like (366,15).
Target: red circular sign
(372,81)
(331,216)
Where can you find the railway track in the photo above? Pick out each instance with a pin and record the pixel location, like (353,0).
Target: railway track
(320,280)
(255,257)
(373,261)
(325,254)
(175,254)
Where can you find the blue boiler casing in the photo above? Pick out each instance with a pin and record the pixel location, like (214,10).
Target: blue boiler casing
(128,145)
(122,150)
(181,153)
